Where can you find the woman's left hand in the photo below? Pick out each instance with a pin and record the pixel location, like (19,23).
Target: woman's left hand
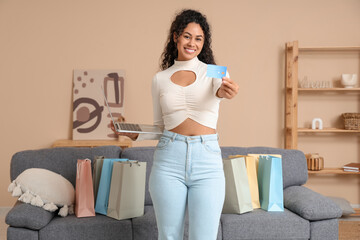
(228,88)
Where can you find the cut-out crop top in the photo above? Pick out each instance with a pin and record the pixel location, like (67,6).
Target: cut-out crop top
(173,104)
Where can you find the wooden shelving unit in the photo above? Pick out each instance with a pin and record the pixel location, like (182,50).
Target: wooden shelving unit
(292,130)
(292,50)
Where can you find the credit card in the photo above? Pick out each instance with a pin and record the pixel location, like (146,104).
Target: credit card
(216,71)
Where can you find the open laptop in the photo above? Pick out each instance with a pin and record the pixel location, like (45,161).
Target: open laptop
(131,127)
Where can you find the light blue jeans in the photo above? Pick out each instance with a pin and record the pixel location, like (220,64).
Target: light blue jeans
(187,174)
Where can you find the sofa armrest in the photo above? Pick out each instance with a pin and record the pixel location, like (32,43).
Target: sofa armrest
(28,216)
(309,204)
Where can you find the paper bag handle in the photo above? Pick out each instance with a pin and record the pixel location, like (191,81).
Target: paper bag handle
(133,161)
(78,170)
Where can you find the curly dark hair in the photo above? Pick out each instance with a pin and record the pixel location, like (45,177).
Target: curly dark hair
(178,25)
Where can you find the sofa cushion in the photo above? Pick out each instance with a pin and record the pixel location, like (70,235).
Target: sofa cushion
(325,229)
(260,224)
(309,204)
(60,160)
(293,162)
(14,233)
(144,227)
(24,215)
(89,228)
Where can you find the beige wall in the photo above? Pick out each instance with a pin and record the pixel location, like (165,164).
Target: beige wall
(42,41)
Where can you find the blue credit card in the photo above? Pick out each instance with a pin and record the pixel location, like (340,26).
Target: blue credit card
(216,71)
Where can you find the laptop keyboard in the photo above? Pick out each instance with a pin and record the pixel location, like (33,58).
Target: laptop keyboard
(130,127)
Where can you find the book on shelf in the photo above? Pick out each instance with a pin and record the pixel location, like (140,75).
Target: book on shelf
(351,167)
(350,170)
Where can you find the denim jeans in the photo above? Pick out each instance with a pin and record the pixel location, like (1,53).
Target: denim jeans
(187,174)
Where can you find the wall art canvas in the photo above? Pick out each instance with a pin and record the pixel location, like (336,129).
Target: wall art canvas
(91,118)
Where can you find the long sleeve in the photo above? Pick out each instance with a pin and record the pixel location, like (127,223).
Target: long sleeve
(158,120)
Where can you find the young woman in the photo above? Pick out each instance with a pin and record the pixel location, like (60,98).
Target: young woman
(187,173)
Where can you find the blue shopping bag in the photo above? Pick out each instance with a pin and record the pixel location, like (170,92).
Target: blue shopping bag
(270,180)
(102,198)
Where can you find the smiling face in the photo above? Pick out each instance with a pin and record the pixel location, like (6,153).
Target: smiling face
(190,42)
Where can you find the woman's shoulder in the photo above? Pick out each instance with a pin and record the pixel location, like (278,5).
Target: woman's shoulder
(163,73)
(159,76)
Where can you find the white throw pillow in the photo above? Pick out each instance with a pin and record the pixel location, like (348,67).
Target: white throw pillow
(44,188)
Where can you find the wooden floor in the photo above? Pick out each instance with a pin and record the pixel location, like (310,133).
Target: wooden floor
(349,227)
(3,228)
(349,230)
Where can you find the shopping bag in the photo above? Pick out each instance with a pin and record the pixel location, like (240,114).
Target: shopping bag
(84,194)
(98,163)
(237,191)
(127,190)
(102,198)
(271,183)
(256,156)
(252,177)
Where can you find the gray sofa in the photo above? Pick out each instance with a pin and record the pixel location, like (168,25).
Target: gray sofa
(307,215)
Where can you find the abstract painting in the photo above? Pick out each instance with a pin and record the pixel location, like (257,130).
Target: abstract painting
(91,118)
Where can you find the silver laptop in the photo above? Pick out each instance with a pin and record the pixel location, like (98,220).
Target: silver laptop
(131,127)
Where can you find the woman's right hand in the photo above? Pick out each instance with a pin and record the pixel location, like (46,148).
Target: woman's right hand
(132,136)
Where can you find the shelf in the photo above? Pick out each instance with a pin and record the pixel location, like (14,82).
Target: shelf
(357,213)
(329,89)
(333,171)
(337,48)
(122,142)
(326,130)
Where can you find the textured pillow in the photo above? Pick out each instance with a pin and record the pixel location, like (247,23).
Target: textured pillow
(24,215)
(309,204)
(44,188)
(344,205)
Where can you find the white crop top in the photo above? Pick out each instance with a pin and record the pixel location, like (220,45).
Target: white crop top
(173,104)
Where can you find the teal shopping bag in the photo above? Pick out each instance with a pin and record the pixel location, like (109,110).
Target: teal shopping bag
(102,198)
(270,180)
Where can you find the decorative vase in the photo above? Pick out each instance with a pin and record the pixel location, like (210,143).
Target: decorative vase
(349,80)
(314,161)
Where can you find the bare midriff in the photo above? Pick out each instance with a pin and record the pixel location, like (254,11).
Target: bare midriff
(190,127)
